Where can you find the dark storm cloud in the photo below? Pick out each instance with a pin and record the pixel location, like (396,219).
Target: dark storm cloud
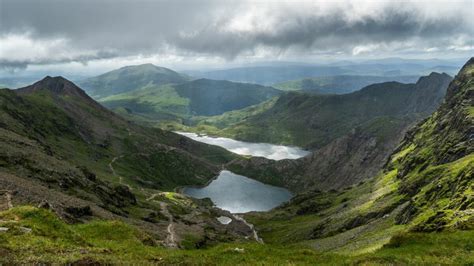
(122,25)
(328,32)
(55,31)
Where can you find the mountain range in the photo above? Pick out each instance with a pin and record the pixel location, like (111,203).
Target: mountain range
(273,73)
(312,121)
(389,180)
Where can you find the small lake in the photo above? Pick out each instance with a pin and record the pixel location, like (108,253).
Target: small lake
(239,194)
(269,151)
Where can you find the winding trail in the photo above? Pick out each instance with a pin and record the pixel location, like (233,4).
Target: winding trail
(170,240)
(8,197)
(6,203)
(115,174)
(152,196)
(251,226)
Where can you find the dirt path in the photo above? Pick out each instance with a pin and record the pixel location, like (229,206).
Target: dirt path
(8,197)
(255,235)
(115,174)
(170,240)
(152,196)
(6,202)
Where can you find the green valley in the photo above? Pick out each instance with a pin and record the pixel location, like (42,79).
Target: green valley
(155,96)
(233,133)
(416,209)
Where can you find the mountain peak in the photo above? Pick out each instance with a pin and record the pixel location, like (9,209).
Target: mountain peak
(433,76)
(56,85)
(458,89)
(129,78)
(148,67)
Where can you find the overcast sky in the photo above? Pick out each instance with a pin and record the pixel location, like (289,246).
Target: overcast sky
(42,34)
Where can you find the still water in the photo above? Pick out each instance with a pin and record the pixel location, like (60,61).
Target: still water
(239,194)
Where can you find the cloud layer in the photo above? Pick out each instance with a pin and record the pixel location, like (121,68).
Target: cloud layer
(58,31)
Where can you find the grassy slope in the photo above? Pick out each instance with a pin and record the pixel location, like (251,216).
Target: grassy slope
(213,124)
(130,78)
(51,240)
(426,187)
(68,145)
(104,137)
(150,102)
(154,104)
(313,121)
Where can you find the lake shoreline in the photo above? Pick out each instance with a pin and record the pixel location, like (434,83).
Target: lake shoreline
(239,194)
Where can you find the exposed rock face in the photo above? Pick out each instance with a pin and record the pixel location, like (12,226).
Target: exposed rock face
(350,159)
(78,212)
(343,162)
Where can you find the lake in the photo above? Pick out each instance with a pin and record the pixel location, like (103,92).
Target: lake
(240,194)
(270,151)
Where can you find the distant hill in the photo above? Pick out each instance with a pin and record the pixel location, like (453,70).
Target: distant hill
(338,84)
(200,97)
(130,78)
(212,97)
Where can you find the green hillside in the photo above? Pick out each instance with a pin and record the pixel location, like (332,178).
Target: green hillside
(181,102)
(130,78)
(425,187)
(313,121)
(61,149)
(416,210)
(119,243)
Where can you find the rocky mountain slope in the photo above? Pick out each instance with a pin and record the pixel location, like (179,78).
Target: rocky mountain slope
(60,148)
(425,186)
(370,124)
(417,210)
(313,121)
